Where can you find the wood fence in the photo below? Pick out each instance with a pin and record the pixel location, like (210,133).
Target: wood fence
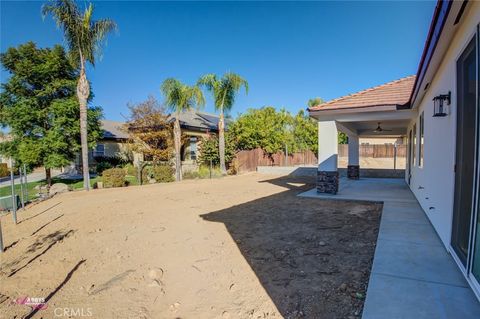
(247,161)
(375,150)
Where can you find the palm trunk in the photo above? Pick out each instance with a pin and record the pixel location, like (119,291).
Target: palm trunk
(83,91)
(221,143)
(48,176)
(177,141)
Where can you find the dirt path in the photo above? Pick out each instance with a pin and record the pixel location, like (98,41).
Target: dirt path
(237,247)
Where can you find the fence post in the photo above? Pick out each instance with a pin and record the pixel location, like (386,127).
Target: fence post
(286,154)
(26,181)
(14,198)
(21,187)
(1,238)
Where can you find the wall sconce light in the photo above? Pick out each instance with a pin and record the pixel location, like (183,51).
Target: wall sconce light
(440,103)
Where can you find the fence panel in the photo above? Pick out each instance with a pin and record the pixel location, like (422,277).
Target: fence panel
(247,161)
(374,150)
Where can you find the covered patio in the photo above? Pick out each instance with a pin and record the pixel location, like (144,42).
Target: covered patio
(413,275)
(377,112)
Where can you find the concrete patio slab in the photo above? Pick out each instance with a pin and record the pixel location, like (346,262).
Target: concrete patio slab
(414,261)
(401,298)
(413,275)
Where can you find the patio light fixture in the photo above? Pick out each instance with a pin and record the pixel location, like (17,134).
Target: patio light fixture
(440,103)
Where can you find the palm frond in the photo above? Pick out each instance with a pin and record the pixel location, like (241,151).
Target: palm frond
(82,34)
(209,81)
(180,97)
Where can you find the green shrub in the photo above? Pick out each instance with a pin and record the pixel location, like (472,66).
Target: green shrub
(4,171)
(191,175)
(115,161)
(101,166)
(113,177)
(203,172)
(163,173)
(130,169)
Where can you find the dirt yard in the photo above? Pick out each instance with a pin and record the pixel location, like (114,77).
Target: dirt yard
(237,247)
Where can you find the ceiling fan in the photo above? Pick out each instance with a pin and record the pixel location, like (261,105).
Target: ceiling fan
(379,129)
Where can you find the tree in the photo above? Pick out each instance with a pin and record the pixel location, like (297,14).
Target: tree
(315,101)
(39,107)
(84,38)
(263,128)
(305,132)
(224,91)
(342,138)
(150,131)
(209,150)
(273,131)
(179,98)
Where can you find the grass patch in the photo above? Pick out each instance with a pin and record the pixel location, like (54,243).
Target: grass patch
(32,193)
(75,184)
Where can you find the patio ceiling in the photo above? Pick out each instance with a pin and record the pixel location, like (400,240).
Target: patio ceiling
(390,128)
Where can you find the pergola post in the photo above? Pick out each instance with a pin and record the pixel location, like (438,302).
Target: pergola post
(327,174)
(353,168)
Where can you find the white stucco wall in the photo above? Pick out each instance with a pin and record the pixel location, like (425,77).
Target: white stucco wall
(437,172)
(327,146)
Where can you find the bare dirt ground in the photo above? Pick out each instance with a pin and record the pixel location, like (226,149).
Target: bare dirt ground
(236,247)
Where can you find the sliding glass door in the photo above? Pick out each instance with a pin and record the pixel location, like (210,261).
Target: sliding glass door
(465,152)
(474,84)
(466,222)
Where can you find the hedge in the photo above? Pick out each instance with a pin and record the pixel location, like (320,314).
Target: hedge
(113,177)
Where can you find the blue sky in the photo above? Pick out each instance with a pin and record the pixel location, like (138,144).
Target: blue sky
(288,51)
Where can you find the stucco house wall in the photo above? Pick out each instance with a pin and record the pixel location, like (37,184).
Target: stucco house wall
(433,183)
(114,148)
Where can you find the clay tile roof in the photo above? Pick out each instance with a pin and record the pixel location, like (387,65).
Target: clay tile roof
(392,93)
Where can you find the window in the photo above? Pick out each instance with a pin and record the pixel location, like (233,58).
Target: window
(193,148)
(414,146)
(99,150)
(420,145)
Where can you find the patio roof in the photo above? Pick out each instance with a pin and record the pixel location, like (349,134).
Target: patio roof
(363,112)
(395,93)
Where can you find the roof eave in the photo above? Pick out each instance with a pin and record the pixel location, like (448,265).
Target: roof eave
(440,16)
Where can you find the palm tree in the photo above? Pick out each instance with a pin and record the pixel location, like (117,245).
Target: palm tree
(84,38)
(224,91)
(315,101)
(179,98)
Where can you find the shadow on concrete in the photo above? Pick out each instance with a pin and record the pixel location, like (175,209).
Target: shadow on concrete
(313,257)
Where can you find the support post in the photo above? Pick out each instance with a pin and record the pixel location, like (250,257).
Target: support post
(395,156)
(353,168)
(327,175)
